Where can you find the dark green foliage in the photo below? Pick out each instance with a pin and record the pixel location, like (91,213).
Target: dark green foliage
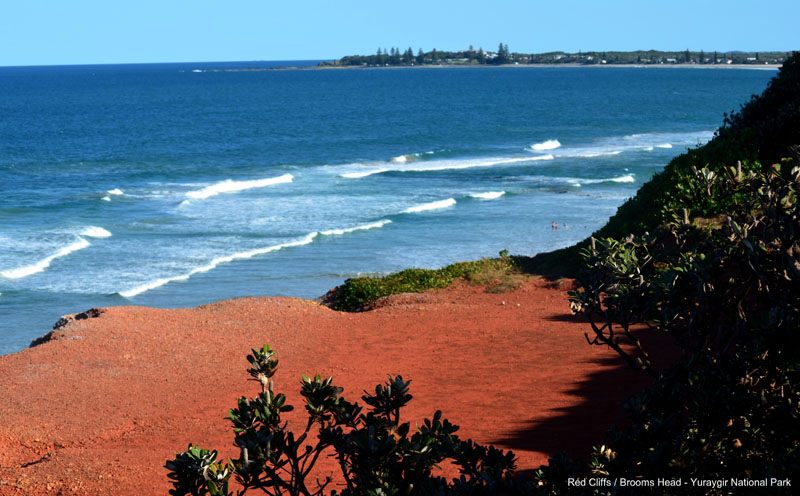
(765,129)
(377,454)
(728,292)
(196,471)
(768,126)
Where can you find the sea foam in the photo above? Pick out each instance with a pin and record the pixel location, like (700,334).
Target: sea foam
(431,206)
(95,232)
(214,263)
(230,186)
(439,165)
(614,145)
(45,262)
(545,145)
(489,195)
(628,178)
(364,227)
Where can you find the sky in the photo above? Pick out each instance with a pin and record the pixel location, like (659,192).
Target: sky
(56,32)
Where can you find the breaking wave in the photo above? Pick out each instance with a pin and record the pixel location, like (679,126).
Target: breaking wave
(214,263)
(230,186)
(364,227)
(489,195)
(436,165)
(621,179)
(95,232)
(430,206)
(45,262)
(545,145)
(614,145)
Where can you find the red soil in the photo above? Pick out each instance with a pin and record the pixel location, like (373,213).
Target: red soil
(101,407)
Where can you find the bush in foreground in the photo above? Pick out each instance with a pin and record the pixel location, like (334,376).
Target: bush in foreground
(377,454)
(728,290)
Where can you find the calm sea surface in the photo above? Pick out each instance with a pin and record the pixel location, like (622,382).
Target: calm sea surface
(175,185)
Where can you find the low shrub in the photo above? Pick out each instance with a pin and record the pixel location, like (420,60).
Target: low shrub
(356,294)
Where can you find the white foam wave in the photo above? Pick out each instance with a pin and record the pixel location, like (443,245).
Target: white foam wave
(364,227)
(214,263)
(230,186)
(402,159)
(95,232)
(614,145)
(45,262)
(489,195)
(115,191)
(357,175)
(628,178)
(439,165)
(546,145)
(431,206)
(106,198)
(598,154)
(624,179)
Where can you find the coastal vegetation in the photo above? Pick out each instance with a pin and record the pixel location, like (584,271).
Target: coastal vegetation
(376,452)
(715,265)
(503,55)
(360,293)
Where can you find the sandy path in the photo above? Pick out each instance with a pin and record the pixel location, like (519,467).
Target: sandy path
(99,409)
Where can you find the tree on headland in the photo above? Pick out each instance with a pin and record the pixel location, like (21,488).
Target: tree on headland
(420,57)
(502,55)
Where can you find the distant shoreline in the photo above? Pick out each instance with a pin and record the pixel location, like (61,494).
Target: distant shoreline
(485,66)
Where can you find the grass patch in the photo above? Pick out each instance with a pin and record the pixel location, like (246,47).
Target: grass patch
(501,274)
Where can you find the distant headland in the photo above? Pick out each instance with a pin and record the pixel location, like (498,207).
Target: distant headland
(504,56)
(470,57)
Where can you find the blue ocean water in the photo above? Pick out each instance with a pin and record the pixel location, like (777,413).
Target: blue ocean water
(174,185)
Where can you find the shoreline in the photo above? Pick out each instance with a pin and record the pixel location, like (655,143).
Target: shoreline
(518,66)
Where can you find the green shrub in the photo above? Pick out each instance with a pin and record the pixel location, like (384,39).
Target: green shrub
(728,292)
(377,453)
(356,294)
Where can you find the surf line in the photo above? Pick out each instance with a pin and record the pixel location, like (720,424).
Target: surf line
(43,264)
(308,238)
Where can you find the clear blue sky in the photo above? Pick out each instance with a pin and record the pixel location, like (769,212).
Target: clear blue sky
(40,32)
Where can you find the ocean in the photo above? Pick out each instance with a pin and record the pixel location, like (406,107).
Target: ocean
(175,185)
